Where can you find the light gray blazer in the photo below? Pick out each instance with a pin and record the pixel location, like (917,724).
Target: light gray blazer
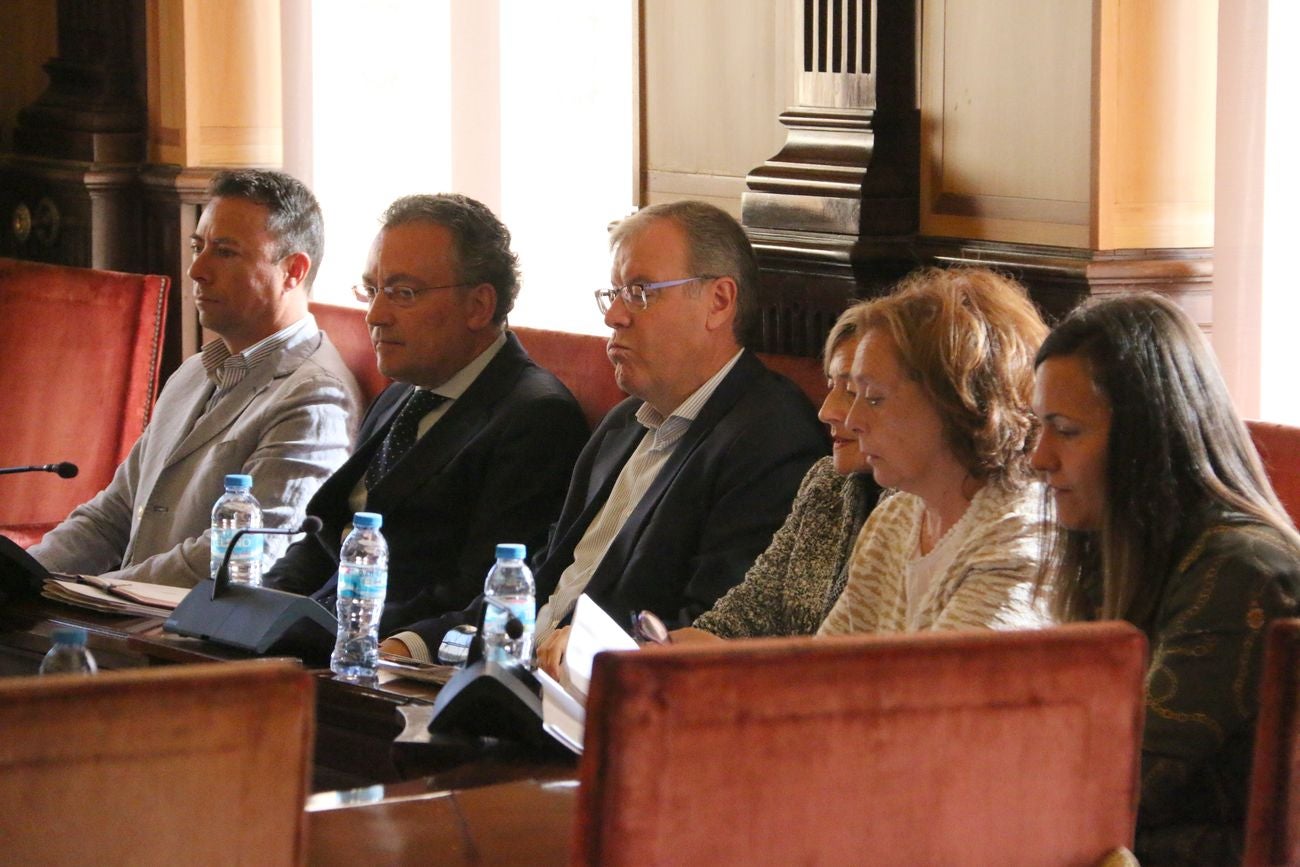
(289,423)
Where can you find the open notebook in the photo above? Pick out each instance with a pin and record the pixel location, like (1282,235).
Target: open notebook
(114,595)
(564,704)
(22,575)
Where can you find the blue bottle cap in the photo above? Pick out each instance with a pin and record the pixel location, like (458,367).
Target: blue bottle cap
(368,520)
(239,480)
(69,635)
(511,551)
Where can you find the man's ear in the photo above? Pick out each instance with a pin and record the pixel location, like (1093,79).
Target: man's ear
(481,302)
(722,296)
(296,268)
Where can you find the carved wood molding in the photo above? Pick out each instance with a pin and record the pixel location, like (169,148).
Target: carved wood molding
(849,163)
(807,279)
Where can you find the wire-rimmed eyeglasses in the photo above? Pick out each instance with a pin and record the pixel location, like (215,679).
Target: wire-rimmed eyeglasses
(399,296)
(637,295)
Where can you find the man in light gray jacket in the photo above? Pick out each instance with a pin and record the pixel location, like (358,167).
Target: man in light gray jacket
(271,397)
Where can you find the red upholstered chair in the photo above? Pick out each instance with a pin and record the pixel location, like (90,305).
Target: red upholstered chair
(1279,447)
(347,330)
(807,373)
(578,361)
(185,764)
(1273,822)
(79,375)
(934,748)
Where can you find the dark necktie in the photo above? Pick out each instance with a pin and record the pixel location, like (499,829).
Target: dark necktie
(401,436)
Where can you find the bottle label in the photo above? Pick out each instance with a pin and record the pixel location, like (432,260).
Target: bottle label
(248,547)
(366,583)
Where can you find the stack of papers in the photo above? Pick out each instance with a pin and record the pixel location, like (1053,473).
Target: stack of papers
(564,715)
(114,595)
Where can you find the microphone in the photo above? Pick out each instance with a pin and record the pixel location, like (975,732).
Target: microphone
(310,524)
(514,630)
(64,469)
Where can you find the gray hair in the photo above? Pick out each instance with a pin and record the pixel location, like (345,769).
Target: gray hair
(480,241)
(716,246)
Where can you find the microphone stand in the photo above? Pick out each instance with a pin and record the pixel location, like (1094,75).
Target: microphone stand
(257,619)
(64,469)
(310,524)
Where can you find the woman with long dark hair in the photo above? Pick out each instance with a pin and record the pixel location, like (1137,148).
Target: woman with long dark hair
(1164,518)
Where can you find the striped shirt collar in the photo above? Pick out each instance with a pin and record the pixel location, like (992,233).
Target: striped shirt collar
(668,430)
(226,370)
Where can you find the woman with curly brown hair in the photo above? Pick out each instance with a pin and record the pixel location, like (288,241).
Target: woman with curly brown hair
(943,379)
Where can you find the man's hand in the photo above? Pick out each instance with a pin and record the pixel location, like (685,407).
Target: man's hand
(394,646)
(550,653)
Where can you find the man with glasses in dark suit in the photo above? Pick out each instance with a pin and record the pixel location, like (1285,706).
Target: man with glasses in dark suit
(683,484)
(473,443)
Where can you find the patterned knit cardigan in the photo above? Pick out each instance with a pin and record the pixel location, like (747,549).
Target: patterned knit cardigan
(988,584)
(794,582)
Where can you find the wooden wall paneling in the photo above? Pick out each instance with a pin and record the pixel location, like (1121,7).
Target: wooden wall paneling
(28,38)
(715,76)
(69,189)
(1006,120)
(215,83)
(1155,109)
(171,204)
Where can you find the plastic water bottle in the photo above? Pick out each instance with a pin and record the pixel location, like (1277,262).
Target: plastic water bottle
(363,581)
(69,654)
(237,509)
(509,592)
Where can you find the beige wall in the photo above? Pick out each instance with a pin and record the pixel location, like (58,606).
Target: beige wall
(28,38)
(716,75)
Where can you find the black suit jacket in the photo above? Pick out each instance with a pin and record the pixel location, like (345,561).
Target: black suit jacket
(493,469)
(710,512)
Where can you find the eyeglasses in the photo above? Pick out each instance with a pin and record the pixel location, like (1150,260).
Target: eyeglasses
(637,295)
(647,628)
(399,296)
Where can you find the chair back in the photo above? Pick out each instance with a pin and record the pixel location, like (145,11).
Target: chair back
(347,330)
(1273,820)
(1279,449)
(193,764)
(79,379)
(579,361)
(936,748)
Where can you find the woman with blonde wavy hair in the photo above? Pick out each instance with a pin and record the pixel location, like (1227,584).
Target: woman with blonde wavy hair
(943,379)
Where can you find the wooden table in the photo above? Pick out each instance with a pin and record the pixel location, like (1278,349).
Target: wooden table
(523,822)
(365,736)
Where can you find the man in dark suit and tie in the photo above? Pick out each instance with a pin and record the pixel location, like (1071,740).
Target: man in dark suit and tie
(473,443)
(682,485)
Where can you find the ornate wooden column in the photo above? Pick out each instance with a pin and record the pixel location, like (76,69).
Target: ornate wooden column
(69,191)
(826,213)
(1070,144)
